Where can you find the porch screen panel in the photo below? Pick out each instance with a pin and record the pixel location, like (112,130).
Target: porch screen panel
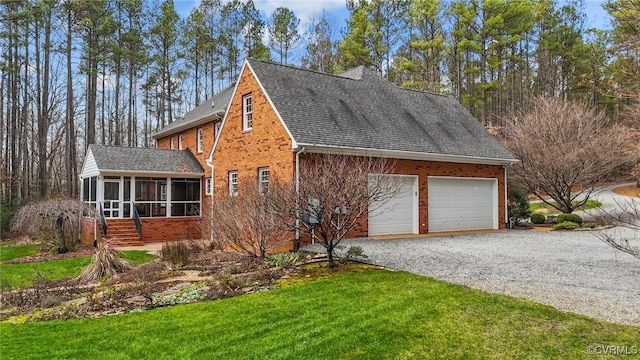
(93,192)
(89,191)
(151,197)
(126,192)
(185,197)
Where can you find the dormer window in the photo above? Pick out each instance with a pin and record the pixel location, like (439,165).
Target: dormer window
(247,112)
(171,143)
(180,142)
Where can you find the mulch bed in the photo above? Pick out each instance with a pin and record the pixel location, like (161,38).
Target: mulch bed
(207,275)
(632,190)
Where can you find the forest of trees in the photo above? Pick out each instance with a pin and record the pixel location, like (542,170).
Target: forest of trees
(76,72)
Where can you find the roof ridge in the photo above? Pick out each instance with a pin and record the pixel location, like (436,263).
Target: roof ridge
(349,78)
(421,91)
(303,69)
(135,147)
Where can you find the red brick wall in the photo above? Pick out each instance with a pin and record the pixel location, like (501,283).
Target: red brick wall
(170,229)
(153,229)
(89,234)
(266,144)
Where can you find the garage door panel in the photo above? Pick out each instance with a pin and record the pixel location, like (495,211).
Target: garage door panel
(462,204)
(397,216)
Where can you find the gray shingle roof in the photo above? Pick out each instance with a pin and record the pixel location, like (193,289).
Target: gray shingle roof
(137,159)
(217,104)
(359,109)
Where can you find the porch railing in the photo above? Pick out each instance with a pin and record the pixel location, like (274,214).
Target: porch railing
(103,221)
(136,218)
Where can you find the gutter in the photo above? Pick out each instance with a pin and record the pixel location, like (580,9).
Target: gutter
(188,124)
(408,155)
(296,244)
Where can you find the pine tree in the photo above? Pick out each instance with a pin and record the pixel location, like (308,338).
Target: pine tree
(283,32)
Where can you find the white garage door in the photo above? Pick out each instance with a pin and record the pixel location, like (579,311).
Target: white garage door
(400,214)
(462,204)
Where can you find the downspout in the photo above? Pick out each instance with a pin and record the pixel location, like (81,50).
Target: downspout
(506,199)
(296,244)
(210,164)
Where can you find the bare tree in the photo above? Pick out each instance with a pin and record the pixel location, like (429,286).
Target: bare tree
(626,214)
(336,192)
(248,220)
(562,145)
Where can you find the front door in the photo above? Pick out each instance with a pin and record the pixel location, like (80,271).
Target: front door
(112,198)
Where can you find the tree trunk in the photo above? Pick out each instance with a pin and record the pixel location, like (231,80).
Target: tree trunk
(43,120)
(70,142)
(24,133)
(130,107)
(103,123)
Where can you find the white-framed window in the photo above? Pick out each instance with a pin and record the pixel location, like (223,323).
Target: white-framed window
(200,140)
(247,112)
(180,142)
(217,131)
(263,179)
(208,186)
(171,144)
(233,183)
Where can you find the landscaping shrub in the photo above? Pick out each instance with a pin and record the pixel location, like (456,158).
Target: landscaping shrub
(251,221)
(351,253)
(551,219)
(565,225)
(175,253)
(105,262)
(283,259)
(570,217)
(56,221)
(590,225)
(537,218)
(518,204)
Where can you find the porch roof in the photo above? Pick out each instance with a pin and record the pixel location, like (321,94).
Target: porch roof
(137,160)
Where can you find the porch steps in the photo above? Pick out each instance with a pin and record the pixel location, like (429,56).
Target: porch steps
(122,232)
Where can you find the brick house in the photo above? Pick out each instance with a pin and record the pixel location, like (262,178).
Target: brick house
(453,170)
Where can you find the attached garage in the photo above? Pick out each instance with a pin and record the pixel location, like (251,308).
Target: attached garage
(457,204)
(399,215)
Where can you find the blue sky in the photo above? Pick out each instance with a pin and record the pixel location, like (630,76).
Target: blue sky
(336,9)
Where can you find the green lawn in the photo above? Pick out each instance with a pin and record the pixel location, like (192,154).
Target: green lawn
(8,252)
(373,314)
(591,204)
(24,274)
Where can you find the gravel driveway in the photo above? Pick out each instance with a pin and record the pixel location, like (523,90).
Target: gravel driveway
(572,271)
